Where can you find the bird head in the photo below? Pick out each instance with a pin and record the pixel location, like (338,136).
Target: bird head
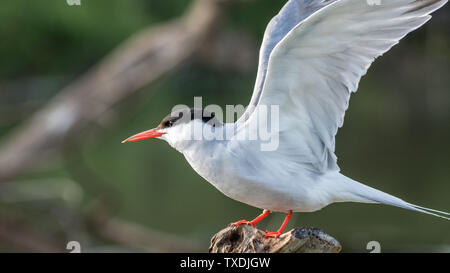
(180,128)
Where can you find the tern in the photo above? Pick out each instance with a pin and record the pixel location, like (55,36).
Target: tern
(313,55)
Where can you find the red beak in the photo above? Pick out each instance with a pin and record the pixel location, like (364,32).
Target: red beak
(144,135)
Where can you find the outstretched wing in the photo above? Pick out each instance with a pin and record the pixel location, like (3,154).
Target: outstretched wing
(313,70)
(289,16)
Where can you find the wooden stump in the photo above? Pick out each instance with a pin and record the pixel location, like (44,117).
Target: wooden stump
(247,239)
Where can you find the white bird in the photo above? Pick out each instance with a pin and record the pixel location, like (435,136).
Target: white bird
(312,58)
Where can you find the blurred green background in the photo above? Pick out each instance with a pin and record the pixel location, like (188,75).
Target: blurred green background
(395,138)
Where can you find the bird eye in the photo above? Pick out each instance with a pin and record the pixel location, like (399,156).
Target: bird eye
(168,123)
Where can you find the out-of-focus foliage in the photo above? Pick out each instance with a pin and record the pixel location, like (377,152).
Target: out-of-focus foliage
(395,136)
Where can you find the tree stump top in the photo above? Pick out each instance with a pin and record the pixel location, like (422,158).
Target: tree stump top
(247,239)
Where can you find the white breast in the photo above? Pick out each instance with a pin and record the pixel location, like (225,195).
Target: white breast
(242,172)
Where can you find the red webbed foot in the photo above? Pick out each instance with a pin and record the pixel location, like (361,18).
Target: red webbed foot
(276,234)
(252,222)
(272,234)
(243,222)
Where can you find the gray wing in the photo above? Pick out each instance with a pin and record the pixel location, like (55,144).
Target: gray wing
(319,63)
(293,12)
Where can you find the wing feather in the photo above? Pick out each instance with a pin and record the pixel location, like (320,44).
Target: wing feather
(290,15)
(314,68)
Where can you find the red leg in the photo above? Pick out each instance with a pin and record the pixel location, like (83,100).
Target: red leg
(252,222)
(272,234)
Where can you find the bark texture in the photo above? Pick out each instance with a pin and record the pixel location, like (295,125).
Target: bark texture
(247,239)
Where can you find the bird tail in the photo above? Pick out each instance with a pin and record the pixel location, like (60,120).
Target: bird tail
(357,192)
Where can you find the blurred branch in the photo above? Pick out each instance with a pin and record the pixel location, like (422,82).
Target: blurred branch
(138,237)
(25,239)
(140,60)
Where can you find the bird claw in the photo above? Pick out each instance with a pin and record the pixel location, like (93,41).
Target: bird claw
(242,222)
(272,234)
